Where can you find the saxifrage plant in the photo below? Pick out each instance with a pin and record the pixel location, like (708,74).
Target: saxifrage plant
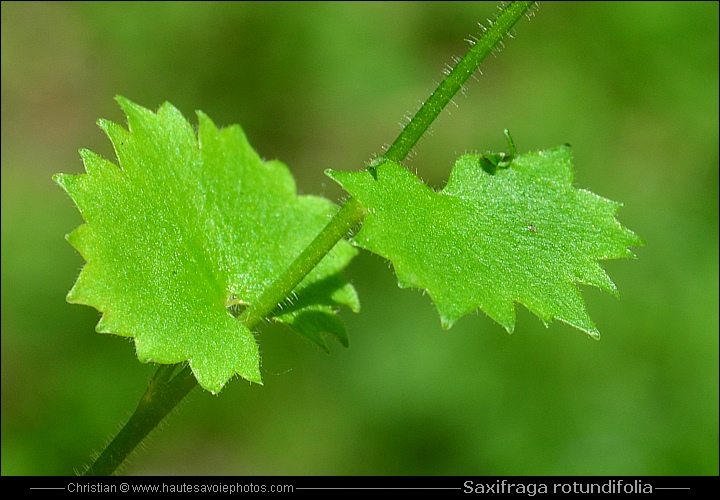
(192,241)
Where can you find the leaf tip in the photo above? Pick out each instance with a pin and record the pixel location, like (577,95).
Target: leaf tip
(204,120)
(127,105)
(446,323)
(588,327)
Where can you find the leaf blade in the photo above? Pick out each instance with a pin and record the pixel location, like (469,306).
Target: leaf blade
(523,235)
(182,227)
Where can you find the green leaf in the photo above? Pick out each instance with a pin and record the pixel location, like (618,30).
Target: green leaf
(524,234)
(188,226)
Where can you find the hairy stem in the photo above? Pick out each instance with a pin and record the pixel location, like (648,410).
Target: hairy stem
(164,393)
(349,215)
(455,80)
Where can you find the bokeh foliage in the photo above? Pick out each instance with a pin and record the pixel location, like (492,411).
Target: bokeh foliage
(633,87)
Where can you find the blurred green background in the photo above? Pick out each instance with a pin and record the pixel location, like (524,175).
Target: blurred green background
(632,86)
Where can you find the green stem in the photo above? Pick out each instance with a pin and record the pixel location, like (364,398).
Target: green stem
(455,80)
(349,215)
(165,393)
